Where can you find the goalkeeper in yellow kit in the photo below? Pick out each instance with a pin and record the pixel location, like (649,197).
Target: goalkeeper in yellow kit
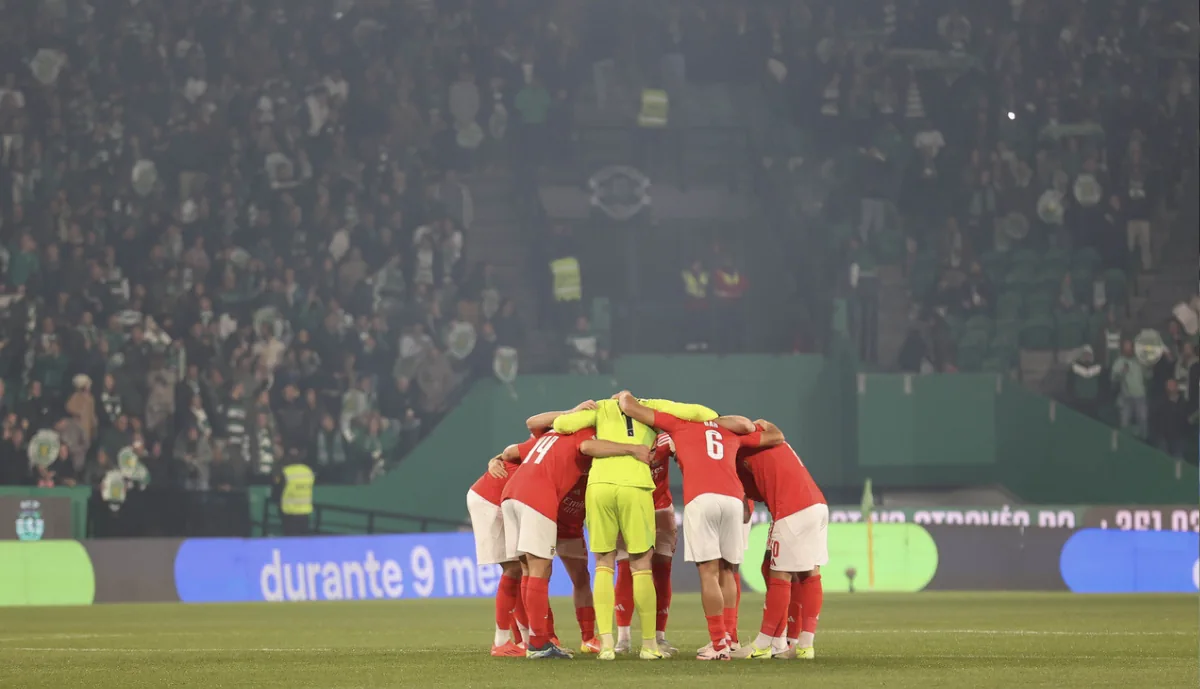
(620,502)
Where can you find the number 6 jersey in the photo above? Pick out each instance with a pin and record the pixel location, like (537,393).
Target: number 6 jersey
(707,455)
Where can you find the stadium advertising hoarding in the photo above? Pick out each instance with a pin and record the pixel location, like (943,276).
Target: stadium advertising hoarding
(1106,561)
(427,565)
(907,557)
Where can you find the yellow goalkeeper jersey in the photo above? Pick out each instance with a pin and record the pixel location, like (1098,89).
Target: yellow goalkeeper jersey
(614,426)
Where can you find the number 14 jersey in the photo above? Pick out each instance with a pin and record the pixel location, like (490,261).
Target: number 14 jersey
(707,455)
(551,465)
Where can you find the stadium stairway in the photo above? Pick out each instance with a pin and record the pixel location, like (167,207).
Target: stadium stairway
(500,238)
(1175,279)
(895,315)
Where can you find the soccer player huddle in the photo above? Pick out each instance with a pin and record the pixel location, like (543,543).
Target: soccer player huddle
(606,464)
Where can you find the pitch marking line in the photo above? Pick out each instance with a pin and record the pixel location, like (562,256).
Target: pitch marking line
(908,656)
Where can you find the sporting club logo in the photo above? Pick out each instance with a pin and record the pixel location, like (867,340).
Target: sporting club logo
(30,525)
(620,191)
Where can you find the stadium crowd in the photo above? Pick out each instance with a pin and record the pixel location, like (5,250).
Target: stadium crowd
(236,233)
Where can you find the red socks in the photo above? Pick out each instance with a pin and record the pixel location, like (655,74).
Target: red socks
(549,615)
(624,594)
(811,597)
(779,594)
(793,616)
(519,618)
(660,570)
(587,622)
(537,605)
(716,631)
(506,600)
(731,622)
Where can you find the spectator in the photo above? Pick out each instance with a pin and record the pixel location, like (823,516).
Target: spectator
(583,348)
(1084,382)
(1129,376)
(82,406)
(1174,421)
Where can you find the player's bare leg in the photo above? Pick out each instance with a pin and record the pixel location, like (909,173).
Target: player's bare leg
(660,567)
(507,596)
(713,600)
(537,605)
(585,610)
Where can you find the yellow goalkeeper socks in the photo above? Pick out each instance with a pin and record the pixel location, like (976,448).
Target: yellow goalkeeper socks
(605,600)
(646,603)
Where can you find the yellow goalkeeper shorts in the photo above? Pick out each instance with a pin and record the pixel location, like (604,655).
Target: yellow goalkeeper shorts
(614,510)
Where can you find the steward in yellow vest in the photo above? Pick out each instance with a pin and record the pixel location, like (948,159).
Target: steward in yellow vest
(295,492)
(568,285)
(654,108)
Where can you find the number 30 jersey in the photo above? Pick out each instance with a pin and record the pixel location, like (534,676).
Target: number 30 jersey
(551,465)
(707,455)
(612,425)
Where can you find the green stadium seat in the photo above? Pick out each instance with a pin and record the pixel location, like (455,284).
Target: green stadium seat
(1039,304)
(1022,278)
(1116,286)
(1006,346)
(889,246)
(1056,259)
(1027,257)
(979,323)
(1071,330)
(1081,284)
(1087,258)
(1009,305)
(1037,332)
(995,265)
(1049,278)
(972,350)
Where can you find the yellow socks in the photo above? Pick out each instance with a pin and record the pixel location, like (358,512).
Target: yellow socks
(605,600)
(644,600)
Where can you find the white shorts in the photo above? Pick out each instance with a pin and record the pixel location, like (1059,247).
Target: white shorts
(527,531)
(488,525)
(572,549)
(799,542)
(712,529)
(746,534)
(665,535)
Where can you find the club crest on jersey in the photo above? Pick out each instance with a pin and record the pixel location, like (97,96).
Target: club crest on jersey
(620,191)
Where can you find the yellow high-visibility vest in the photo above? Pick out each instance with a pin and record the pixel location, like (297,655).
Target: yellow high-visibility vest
(727,283)
(298,482)
(654,108)
(567,284)
(696,284)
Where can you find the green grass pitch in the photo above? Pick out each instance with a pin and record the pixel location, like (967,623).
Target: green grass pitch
(917,641)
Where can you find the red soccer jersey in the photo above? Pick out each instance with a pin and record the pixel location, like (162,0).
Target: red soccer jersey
(550,467)
(491,488)
(571,511)
(782,480)
(660,465)
(707,455)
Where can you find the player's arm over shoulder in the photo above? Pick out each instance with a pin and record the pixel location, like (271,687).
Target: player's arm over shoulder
(737,424)
(768,434)
(687,412)
(605,448)
(544,421)
(575,421)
